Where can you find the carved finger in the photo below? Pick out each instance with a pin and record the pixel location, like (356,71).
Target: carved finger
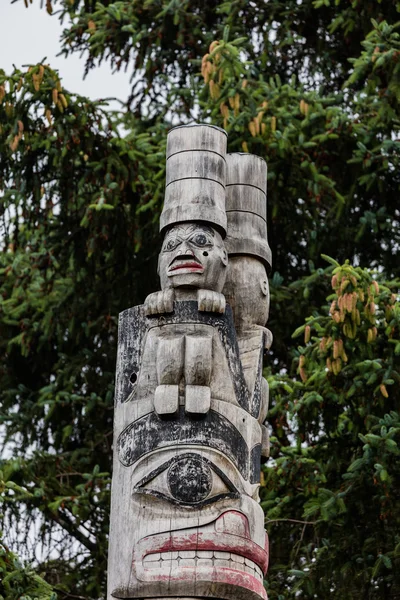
(210,301)
(269,338)
(220,304)
(223,304)
(160,303)
(200,304)
(169,301)
(202,300)
(148,305)
(215,302)
(153,304)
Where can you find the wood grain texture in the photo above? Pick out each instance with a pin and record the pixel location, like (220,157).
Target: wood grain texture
(246,206)
(190,397)
(148,447)
(196,137)
(195,177)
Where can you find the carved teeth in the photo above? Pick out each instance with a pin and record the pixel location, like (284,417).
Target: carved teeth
(239,559)
(199,558)
(187,554)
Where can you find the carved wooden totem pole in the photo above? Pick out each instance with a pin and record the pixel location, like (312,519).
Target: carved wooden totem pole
(190,397)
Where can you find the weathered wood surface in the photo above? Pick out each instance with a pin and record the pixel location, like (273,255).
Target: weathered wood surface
(246,206)
(190,398)
(246,287)
(195,179)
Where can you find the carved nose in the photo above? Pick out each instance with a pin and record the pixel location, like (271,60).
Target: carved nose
(233,522)
(185,250)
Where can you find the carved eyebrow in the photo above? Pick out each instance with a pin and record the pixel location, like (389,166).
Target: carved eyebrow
(207,229)
(206,233)
(204,228)
(175,232)
(172,235)
(186,230)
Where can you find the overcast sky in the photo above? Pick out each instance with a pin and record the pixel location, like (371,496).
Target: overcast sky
(30,34)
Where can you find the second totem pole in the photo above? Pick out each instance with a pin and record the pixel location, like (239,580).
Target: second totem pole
(190,397)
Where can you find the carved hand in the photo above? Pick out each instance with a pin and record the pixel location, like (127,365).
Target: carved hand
(268,337)
(160,302)
(209,301)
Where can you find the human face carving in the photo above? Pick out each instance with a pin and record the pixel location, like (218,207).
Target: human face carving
(193,256)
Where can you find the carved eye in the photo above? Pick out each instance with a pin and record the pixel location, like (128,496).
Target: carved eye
(170,244)
(200,239)
(188,479)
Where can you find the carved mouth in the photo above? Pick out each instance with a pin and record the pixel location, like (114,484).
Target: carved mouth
(225,571)
(218,559)
(237,577)
(184,263)
(200,559)
(221,552)
(187,265)
(199,541)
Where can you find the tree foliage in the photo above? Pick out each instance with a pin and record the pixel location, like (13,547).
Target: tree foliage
(314,88)
(340,480)
(18,581)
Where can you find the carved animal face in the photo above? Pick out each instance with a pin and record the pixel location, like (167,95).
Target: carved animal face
(206,531)
(193,256)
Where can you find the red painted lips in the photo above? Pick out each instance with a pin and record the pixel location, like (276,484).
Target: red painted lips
(228,537)
(192,265)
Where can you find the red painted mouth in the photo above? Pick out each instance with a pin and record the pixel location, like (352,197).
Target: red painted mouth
(187,265)
(228,539)
(190,265)
(220,558)
(223,542)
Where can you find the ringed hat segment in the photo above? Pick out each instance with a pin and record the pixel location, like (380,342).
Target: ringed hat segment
(246,206)
(195,176)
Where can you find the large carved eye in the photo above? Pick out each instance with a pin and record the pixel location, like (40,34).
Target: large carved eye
(188,479)
(200,239)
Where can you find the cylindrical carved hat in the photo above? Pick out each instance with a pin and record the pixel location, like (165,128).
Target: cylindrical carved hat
(195,176)
(246,206)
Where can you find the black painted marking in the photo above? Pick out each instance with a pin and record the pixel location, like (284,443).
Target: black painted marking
(255,464)
(206,502)
(215,431)
(256,397)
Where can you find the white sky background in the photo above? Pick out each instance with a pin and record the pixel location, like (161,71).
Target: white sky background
(27,35)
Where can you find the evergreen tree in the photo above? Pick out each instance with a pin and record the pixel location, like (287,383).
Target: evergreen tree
(314,88)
